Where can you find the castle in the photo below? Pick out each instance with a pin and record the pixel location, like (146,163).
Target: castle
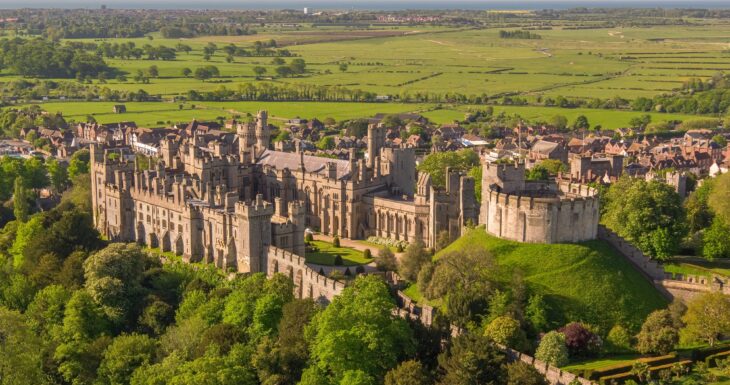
(536,211)
(228,199)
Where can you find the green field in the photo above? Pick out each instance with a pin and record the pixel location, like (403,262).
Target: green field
(408,62)
(327,253)
(156,114)
(626,62)
(586,282)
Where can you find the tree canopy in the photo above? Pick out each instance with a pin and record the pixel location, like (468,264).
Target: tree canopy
(649,214)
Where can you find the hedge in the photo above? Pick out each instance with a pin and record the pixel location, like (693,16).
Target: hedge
(711,361)
(702,353)
(625,376)
(626,367)
(618,378)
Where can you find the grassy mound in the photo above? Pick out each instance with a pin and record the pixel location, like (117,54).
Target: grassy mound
(586,282)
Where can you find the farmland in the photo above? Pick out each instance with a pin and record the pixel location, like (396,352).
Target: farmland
(425,63)
(154,114)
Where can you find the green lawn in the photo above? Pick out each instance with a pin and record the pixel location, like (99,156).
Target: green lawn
(700,268)
(327,252)
(597,363)
(586,282)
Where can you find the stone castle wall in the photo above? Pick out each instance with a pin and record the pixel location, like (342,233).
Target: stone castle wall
(536,211)
(679,286)
(307,282)
(543,219)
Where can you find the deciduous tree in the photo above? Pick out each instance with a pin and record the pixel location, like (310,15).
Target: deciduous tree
(552,349)
(472,359)
(649,214)
(658,334)
(707,317)
(360,323)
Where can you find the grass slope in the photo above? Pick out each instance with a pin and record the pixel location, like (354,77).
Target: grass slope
(586,282)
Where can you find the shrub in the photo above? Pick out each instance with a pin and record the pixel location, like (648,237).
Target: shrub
(579,340)
(308,238)
(520,373)
(412,260)
(388,242)
(658,334)
(385,260)
(619,340)
(366,254)
(336,242)
(338,260)
(506,331)
(552,349)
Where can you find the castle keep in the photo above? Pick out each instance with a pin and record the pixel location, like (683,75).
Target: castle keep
(227,199)
(536,211)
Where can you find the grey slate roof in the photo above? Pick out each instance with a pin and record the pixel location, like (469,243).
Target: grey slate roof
(281,160)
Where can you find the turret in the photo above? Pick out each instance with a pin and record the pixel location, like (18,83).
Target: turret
(254,239)
(504,178)
(262,132)
(617,165)
(376,139)
(297,215)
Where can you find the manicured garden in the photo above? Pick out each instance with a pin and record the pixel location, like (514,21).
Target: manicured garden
(325,253)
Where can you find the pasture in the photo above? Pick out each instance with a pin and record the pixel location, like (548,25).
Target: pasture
(155,114)
(408,62)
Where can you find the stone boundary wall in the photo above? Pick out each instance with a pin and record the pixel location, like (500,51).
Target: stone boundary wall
(680,286)
(308,283)
(425,314)
(553,375)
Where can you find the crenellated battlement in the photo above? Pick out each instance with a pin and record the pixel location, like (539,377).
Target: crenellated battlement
(259,207)
(308,283)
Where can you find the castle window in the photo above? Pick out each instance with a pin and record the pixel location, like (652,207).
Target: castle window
(149,219)
(164,224)
(179,228)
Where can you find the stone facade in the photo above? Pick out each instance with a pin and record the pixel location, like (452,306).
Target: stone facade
(536,211)
(228,199)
